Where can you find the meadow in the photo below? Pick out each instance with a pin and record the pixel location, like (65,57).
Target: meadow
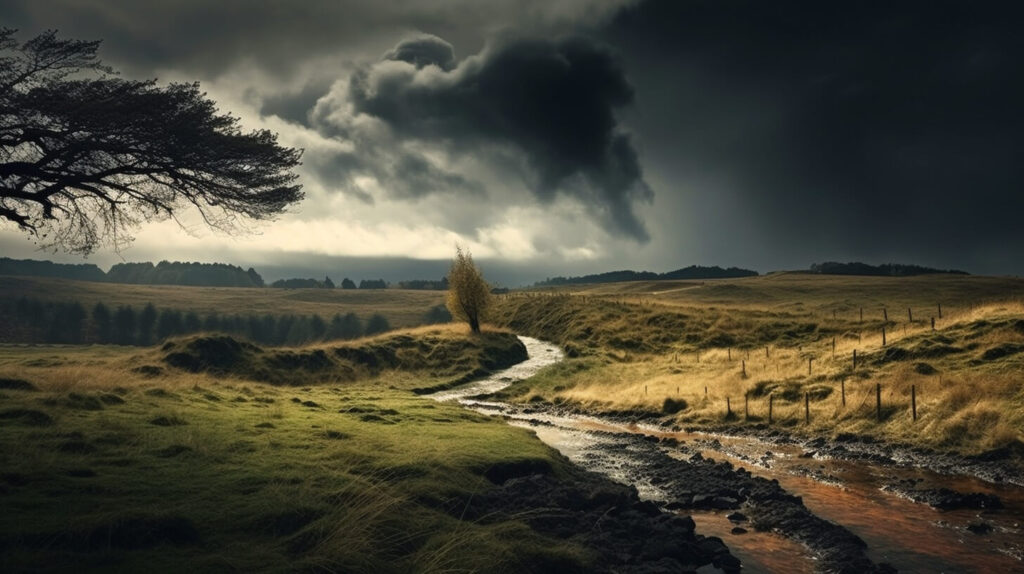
(711,353)
(243,458)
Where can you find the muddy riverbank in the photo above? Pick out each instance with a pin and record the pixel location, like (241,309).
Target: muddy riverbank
(782,502)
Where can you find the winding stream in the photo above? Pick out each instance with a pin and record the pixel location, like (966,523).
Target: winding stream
(910,536)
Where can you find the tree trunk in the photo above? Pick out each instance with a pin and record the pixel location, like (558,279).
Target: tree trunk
(474,324)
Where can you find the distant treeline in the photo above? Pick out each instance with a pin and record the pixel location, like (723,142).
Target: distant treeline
(29,320)
(691,272)
(346,283)
(884,270)
(163,273)
(192,274)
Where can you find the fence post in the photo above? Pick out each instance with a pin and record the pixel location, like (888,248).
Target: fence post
(862,314)
(766,351)
(885,314)
(878,401)
(913,401)
(807,407)
(933,323)
(940,310)
(883,336)
(855,359)
(744,367)
(842,387)
(771,401)
(728,408)
(809,366)
(730,348)
(645,389)
(833,348)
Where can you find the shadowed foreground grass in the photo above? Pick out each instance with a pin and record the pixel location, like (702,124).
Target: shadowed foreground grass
(105,466)
(682,349)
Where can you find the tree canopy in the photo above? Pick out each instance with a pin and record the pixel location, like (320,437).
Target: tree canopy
(469,296)
(86,156)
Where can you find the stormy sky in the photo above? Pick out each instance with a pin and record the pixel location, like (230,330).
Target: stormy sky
(557,138)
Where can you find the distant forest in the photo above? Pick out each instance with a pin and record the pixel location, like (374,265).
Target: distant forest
(884,270)
(691,272)
(163,273)
(191,274)
(30,320)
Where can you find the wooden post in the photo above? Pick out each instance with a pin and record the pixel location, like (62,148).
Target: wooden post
(807,407)
(862,314)
(878,400)
(940,310)
(677,391)
(730,348)
(842,387)
(883,336)
(698,355)
(705,391)
(728,408)
(645,389)
(766,351)
(913,401)
(744,368)
(855,359)
(933,323)
(910,315)
(771,401)
(746,406)
(809,366)
(885,314)
(833,348)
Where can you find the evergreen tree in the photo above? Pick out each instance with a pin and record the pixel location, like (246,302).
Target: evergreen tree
(124,325)
(168,324)
(347,283)
(102,323)
(317,328)
(328,284)
(147,320)
(377,324)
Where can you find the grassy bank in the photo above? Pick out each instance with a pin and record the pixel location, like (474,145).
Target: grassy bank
(693,351)
(130,459)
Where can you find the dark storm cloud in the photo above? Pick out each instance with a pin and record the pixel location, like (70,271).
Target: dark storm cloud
(424,51)
(552,101)
(886,129)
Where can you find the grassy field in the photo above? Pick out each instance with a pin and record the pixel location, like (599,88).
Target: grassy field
(403,308)
(116,458)
(695,350)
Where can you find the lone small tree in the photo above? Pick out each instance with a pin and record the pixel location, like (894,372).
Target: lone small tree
(469,296)
(86,156)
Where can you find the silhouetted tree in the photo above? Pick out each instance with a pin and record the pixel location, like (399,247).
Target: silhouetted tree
(86,155)
(192,323)
(317,328)
(377,324)
(168,324)
(101,321)
(328,284)
(147,320)
(347,327)
(469,296)
(437,314)
(347,283)
(124,325)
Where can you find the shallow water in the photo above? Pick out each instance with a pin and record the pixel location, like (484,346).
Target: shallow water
(912,537)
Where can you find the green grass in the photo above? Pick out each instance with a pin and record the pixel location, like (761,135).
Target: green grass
(634,345)
(106,468)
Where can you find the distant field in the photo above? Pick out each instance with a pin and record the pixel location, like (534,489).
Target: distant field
(402,308)
(693,349)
